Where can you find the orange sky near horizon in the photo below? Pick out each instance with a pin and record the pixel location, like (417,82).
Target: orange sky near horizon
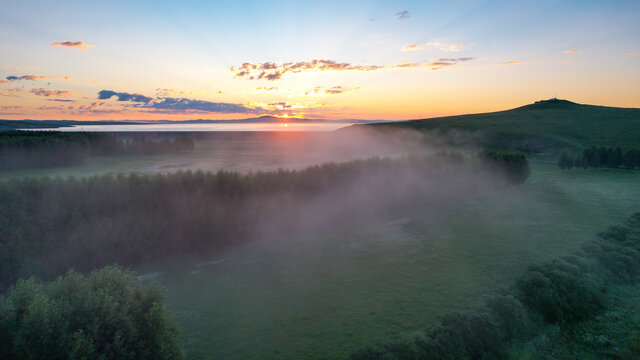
(366,60)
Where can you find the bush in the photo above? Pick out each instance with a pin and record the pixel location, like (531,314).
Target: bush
(106,315)
(559,292)
(463,336)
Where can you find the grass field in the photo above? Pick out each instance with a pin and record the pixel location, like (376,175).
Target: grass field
(547,126)
(324,295)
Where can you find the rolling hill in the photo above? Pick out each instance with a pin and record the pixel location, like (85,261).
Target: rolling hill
(544,126)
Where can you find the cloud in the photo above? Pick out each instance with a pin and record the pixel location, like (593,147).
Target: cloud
(412,47)
(61,100)
(73,44)
(175,105)
(123,96)
(13,92)
(334,90)
(403,15)
(572,51)
(509,63)
(25,77)
(633,53)
(439,63)
(186,105)
(445,47)
(273,71)
(173,92)
(3,81)
(54,93)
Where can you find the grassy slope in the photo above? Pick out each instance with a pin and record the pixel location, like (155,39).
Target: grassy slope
(542,126)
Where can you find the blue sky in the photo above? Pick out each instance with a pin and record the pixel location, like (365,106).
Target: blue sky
(498,55)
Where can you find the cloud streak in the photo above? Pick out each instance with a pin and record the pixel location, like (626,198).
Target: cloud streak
(13,92)
(403,15)
(572,51)
(509,63)
(53,93)
(445,47)
(73,44)
(412,47)
(26,77)
(123,96)
(272,71)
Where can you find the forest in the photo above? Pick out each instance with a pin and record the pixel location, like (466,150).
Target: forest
(48,225)
(45,149)
(600,157)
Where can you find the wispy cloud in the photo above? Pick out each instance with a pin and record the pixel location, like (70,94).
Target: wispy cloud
(633,53)
(173,92)
(510,63)
(13,92)
(273,71)
(403,15)
(36,77)
(73,44)
(123,96)
(572,51)
(54,93)
(334,90)
(26,77)
(412,47)
(445,47)
(439,63)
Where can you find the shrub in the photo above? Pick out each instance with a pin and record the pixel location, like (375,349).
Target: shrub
(106,315)
(559,292)
(462,336)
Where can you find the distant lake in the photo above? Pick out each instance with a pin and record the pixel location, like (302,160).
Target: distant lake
(203,127)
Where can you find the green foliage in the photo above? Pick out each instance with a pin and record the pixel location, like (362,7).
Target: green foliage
(559,292)
(600,157)
(33,149)
(513,165)
(463,336)
(565,161)
(106,315)
(48,225)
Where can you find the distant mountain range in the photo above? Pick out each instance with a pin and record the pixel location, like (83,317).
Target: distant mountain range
(267,119)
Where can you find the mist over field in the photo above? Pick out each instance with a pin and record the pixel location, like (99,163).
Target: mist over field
(271,180)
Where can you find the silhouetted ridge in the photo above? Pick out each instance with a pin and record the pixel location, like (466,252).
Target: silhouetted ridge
(551,104)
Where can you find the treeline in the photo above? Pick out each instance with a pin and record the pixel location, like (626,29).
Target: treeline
(106,315)
(560,292)
(34,149)
(49,225)
(513,165)
(594,157)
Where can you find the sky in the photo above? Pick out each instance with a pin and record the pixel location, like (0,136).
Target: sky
(374,60)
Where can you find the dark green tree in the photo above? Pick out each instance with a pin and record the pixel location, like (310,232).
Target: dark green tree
(106,315)
(615,158)
(565,161)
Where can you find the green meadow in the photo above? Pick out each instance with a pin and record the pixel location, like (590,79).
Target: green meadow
(326,294)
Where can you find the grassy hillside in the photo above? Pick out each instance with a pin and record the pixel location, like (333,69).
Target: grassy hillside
(545,126)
